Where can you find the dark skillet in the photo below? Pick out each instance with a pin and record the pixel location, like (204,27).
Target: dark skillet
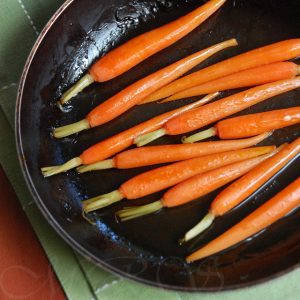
(146,249)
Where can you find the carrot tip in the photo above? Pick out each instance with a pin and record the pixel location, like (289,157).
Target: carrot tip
(130,213)
(101,201)
(200,136)
(85,81)
(200,227)
(101,165)
(53,170)
(67,130)
(149,137)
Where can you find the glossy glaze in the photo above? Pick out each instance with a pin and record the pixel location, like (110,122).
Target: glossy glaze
(245,126)
(228,106)
(147,249)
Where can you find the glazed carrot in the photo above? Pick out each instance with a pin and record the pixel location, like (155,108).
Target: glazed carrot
(121,141)
(123,58)
(161,178)
(220,109)
(194,187)
(152,155)
(244,187)
(277,52)
(133,94)
(249,125)
(271,211)
(246,78)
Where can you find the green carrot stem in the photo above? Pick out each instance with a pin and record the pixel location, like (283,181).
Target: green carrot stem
(200,227)
(84,215)
(149,137)
(78,87)
(67,130)
(101,201)
(200,136)
(129,213)
(53,170)
(101,165)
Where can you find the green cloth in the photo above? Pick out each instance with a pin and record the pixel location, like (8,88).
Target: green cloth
(20,23)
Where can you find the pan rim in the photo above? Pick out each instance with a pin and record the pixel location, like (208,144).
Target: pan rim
(64,234)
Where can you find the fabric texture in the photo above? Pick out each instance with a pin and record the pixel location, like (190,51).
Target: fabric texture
(21,21)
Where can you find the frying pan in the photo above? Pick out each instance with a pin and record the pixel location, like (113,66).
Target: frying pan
(146,249)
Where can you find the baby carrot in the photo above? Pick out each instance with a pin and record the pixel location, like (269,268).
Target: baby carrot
(121,141)
(133,94)
(220,109)
(194,187)
(123,58)
(277,52)
(249,125)
(161,178)
(246,78)
(244,187)
(267,214)
(152,155)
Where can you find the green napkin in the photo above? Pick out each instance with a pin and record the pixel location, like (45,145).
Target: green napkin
(20,23)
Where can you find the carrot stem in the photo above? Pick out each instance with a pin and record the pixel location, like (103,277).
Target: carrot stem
(205,134)
(153,155)
(121,141)
(78,87)
(149,137)
(50,171)
(210,181)
(101,201)
(268,213)
(128,213)
(61,132)
(101,165)
(244,186)
(196,230)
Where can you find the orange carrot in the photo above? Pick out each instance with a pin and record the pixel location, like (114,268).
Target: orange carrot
(246,78)
(238,191)
(267,214)
(249,125)
(133,94)
(123,58)
(161,178)
(220,109)
(121,141)
(194,187)
(153,155)
(277,52)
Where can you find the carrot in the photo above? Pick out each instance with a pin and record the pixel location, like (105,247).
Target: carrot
(133,94)
(220,109)
(153,155)
(123,58)
(161,178)
(249,125)
(247,78)
(277,52)
(238,191)
(267,214)
(194,187)
(121,141)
